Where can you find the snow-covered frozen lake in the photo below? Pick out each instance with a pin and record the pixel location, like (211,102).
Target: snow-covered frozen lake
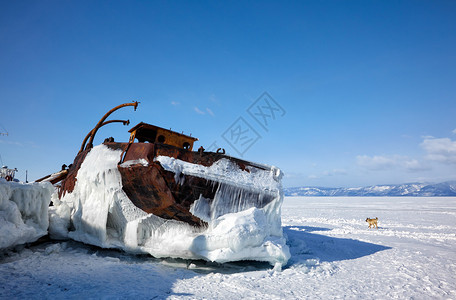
(334,255)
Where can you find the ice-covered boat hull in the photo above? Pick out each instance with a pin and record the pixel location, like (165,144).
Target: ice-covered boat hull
(154,194)
(170,194)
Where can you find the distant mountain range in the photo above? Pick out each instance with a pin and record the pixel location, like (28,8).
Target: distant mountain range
(407,189)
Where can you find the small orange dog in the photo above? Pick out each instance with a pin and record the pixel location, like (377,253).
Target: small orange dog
(372,222)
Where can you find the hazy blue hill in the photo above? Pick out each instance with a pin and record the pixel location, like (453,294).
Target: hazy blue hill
(407,189)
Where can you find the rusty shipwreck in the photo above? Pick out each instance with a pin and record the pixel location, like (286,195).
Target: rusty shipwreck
(186,191)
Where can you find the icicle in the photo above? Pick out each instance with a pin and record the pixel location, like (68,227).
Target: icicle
(201,208)
(232,199)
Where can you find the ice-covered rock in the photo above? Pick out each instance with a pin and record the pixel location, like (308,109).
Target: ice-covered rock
(100,213)
(23,212)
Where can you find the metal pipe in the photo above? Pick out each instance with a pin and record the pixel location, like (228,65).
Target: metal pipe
(100,123)
(127,122)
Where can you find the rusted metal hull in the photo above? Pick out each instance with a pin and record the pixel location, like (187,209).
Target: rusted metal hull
(55,177)
(152,188)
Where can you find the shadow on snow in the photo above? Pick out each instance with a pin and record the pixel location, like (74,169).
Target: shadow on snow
(308,248)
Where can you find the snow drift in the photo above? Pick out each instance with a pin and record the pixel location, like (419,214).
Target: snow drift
(23,212)
(99,212)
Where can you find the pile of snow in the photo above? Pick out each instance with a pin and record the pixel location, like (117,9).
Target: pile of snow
(23,212)
(98,212)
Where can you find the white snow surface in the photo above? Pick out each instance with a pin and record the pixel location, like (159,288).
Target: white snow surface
(23,212)
(333,256)
(98,212)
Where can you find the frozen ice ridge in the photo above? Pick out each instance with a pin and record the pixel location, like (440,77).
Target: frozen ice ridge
(23,212)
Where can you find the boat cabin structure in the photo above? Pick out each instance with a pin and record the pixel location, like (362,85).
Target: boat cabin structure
(146,133)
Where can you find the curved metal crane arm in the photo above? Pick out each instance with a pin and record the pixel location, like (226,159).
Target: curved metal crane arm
(125,122)
(100,123)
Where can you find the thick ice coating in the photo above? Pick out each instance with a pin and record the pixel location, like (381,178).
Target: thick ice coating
(23,212)
(237,190)
(100,213)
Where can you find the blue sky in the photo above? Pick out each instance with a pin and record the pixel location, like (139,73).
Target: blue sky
(363,92)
